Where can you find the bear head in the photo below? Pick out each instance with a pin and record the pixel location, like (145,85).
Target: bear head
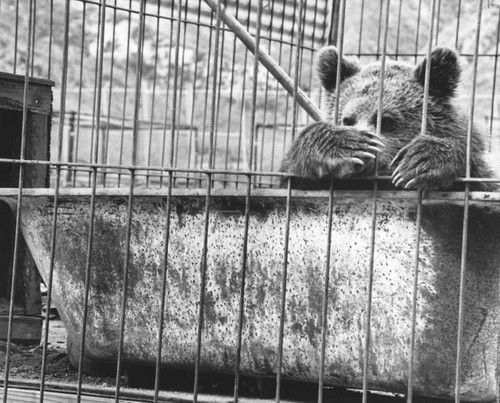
(403,95)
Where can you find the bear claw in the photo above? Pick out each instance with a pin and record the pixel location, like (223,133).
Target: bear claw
(410,184)
(357,161)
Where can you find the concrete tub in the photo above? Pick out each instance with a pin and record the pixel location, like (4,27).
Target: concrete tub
(437,295)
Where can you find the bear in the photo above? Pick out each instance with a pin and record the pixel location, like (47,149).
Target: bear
(434,160)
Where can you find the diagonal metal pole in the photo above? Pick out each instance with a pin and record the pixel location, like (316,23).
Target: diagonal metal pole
(269,63)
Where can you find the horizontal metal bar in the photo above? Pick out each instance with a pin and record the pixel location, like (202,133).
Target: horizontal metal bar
(9,194)
(69,165)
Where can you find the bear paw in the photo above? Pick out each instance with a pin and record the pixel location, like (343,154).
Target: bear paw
(323,150)
(426,163)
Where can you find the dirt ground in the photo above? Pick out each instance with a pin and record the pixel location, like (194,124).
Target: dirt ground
(26,360)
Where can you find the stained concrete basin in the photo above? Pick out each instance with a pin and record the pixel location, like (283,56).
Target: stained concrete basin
(395,233)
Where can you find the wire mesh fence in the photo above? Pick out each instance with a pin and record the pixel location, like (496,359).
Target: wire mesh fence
(184,100)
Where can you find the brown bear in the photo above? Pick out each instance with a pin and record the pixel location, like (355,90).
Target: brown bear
(326,150)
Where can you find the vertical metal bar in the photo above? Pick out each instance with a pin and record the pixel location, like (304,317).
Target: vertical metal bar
(193,97)
(494,84)
(79,107)
(286,240)
(193,102)
(167,91)
(298,58)
(105,151)
(361,18)
(316,27)
(100,66)
(125,88)
(163,289)
(64,81)
(220,55)
(266,97)
(243,93)
(135,134)
(417,35)
(183,69)
(93,179)
(241,311)
(340,46)
(153,95)
(138,81)
(16,36)
(409,396)
(438,22)
(459,14)
(124,285)
(88,266)
(332,29)
(49,284)
(209,54)
(379,31)
(280,58)
(96,107)
(324,315)
(423,131)
(176,82)
(366,349)
(262,148)
(288,64)
(231,95)
(51,28)
(324,29)
(255,84)
(203,270)
(463,263)
(33,39)
(17,231)
(398,34)
(273,144)
(207,208)
(213,129)
(165,262)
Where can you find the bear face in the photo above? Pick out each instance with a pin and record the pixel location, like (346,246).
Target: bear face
(416,161)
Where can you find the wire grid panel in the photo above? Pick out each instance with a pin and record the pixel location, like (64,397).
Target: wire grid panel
(177,57)
(194,86)
(150,86)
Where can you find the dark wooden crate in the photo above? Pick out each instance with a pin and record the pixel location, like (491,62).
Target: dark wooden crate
(26,323)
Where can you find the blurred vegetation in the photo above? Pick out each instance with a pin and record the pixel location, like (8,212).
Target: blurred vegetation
(407,36)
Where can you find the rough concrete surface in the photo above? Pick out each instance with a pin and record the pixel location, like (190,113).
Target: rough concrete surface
(395,235)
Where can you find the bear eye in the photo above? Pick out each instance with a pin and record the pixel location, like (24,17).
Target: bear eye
(349,121)
(388,122)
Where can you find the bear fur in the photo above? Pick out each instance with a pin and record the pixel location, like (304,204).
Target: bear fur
(326,150)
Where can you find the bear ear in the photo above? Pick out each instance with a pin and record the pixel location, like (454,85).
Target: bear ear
(326,65)
(445,72)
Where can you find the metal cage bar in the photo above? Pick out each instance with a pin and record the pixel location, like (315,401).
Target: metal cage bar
(463,260)
(423,131)
(366,346)
(17,233)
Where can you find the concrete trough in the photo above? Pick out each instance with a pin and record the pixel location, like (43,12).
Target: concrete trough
(437,315)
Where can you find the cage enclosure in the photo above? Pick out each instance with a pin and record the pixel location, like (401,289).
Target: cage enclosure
(165,238)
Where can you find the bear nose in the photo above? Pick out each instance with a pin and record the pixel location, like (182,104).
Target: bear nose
(365,126)
(349,121)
